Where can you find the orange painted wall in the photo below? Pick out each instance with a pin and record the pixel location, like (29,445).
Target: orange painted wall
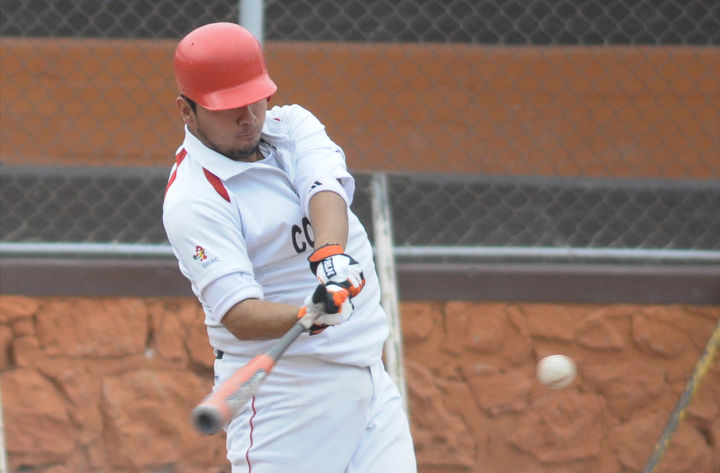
(591,111)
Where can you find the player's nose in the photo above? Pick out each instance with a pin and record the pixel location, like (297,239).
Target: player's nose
(243,115)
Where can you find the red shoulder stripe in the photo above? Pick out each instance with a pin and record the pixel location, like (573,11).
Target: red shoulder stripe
(178,159)
(217,184)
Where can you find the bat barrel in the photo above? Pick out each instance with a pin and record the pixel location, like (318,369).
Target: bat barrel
(207,419)
(229,398)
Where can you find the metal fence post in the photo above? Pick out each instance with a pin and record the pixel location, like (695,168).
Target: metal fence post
(385,264)
(251,16)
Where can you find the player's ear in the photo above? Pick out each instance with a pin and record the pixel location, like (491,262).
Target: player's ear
(186,111)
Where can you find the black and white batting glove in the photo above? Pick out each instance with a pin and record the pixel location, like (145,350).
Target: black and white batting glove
(329,304)
(330,265)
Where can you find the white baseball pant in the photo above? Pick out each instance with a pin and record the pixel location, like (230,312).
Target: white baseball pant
(312,416)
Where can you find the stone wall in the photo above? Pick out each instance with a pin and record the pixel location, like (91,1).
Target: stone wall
(106,385)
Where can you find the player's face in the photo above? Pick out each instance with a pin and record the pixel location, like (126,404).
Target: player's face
(234,133)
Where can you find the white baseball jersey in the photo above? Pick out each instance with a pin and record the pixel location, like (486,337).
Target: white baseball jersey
(248,221)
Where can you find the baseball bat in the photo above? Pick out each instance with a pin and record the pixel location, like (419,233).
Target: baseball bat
(678,414)
(228,399)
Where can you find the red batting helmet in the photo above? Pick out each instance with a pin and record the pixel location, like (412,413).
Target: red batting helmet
(221,66)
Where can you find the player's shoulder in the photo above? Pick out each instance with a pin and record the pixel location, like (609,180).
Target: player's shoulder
(191,199)
(292,117)
(287,112)
(186,184)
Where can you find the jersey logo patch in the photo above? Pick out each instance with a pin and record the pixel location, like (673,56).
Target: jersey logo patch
(200,254)
(202,257)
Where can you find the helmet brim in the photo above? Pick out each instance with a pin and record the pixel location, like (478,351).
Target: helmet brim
(239,96)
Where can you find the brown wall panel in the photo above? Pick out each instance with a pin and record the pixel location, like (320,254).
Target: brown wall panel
(592,111)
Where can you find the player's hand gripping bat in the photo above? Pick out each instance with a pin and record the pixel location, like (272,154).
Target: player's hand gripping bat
(217,409)
(228,399)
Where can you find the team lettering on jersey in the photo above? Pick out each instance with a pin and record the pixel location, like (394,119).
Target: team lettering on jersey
(302,236)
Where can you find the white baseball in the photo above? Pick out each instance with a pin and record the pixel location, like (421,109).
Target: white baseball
(556,371)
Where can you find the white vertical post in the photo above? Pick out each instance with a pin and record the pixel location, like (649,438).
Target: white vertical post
(385,265)
(251,16)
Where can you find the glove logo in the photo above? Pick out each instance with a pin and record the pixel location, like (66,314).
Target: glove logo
(329,268)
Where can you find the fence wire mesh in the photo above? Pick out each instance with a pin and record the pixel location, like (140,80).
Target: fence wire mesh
(582,124)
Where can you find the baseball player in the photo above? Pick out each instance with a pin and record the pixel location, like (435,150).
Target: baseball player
(257,212)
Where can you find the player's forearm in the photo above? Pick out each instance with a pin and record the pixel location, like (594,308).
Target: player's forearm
(328,217)
(254,319)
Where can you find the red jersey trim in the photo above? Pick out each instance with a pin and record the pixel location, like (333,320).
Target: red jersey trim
(217,184)
(178,159)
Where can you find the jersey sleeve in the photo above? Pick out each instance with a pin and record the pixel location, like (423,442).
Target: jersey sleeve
(223,293)
(319,162)
(208,244)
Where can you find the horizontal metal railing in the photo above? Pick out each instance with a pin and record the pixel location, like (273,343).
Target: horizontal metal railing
(65,249)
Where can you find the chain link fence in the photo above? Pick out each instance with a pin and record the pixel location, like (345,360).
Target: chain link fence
(539,125)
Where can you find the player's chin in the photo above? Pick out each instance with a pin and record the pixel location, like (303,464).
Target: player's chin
(246,144)
(248,139)
(240,154)
(241,151)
